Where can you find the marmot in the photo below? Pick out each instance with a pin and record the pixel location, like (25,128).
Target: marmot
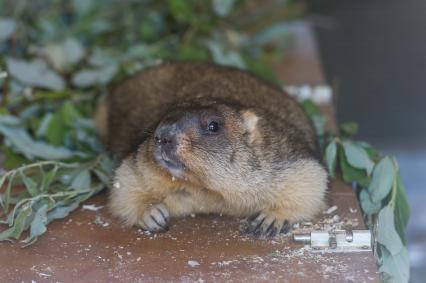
(201,138)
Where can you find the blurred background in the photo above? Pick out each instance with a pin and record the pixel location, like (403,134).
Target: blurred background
(375,52)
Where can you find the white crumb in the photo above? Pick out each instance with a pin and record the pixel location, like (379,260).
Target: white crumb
(331,210)
(336,218)
(193,263)
(101,222)
(91,207)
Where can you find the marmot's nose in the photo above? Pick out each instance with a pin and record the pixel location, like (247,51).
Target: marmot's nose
(166,135)
(164,140)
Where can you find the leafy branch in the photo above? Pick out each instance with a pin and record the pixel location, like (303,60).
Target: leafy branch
(51,190)
(380,192)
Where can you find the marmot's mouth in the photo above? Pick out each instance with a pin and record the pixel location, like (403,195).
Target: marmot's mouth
(171,164)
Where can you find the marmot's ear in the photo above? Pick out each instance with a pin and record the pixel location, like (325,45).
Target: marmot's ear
(250,120)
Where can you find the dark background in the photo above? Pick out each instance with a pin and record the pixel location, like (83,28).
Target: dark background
(375,50)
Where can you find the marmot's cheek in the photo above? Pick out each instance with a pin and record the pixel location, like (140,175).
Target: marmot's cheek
(183,148)
(195,160)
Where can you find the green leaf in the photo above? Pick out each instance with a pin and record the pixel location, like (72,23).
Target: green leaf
(104,178)
(55,132)
(372,152)
(351,174)
(271,33)
(357,156)
(6,195)
(331,157)
(222,57)
(59,123)
(135,52)
(81,181)
(7,28)
(319,124)
(61,211)
(349,129)
(368,206)
(107,164)
(32,149)
(397,266)
(402,210)
(12,159)
(382,180)
(6,234)
(30,185)
(47,179)
(44,124)
(35,73)
(311,108)
(64,55)
(261,70)
(92,77)
(193,52)
(38,224)
(147,31)
(102,57)
(3,180)
(315,114)
(9,120)
(222,7)
(20,221)
(387,235)
(69,113)
(181,10)
(83,7)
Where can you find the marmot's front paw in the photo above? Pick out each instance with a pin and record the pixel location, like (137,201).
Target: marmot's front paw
(267,224)
(155,219)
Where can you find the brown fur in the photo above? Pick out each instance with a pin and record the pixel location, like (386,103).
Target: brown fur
(265,161)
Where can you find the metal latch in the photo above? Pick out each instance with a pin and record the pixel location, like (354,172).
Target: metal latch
(337,240)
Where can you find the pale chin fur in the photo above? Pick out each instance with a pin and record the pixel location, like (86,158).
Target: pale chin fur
(175,171)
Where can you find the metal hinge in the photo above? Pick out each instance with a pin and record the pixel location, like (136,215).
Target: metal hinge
(337,240)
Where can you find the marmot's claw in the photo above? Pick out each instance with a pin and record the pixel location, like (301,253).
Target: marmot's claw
(286,227)
(155,219)
(267,225)
(255,223)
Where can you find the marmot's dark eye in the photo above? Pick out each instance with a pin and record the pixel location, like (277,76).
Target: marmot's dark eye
(213,126)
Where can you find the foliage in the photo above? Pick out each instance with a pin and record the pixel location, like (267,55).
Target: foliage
(59,57)
(51,190)
(381,194)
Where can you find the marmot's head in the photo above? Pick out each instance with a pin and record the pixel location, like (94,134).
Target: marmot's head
(206,141)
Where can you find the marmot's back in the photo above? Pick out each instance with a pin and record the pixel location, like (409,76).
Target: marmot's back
(136,106)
